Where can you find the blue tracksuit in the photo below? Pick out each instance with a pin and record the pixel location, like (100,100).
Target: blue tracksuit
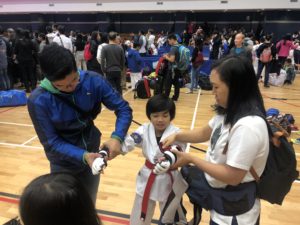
(135,61)
(63,131)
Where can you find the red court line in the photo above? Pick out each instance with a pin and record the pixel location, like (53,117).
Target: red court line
(104,218)
(281,101)
(9,200)
(114,220)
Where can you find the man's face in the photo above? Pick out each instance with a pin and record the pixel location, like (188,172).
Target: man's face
(171,41)
(68,84)
(238,41)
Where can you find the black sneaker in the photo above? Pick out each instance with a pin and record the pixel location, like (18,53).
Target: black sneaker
(266,86)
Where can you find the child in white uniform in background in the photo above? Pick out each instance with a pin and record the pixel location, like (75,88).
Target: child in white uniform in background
(154,185)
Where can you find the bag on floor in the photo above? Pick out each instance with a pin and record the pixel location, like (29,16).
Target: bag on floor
(142,89)
(12,98)
(204,83)
(277,80)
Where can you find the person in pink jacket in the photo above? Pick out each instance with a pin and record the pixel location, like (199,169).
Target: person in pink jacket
(283,47)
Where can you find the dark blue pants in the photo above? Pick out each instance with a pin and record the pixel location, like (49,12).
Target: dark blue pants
(89,181)
(267,71)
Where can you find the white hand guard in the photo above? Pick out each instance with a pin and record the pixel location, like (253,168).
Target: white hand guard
(164,166)
(99,164)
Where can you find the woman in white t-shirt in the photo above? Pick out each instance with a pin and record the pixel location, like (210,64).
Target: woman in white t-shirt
(237,125)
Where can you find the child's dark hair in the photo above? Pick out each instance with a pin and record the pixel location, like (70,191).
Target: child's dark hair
(288,60)
(160,103)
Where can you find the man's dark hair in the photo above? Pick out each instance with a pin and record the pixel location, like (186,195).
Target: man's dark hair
(160,103)
(57,198)
(48,29)
(244,97)
(1,30)
(61,29)
(172,37)
(112,35)
(136,45)
(104,38)
(56,62)
(288,60)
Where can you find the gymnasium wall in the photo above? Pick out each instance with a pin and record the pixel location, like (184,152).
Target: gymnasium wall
(278,22)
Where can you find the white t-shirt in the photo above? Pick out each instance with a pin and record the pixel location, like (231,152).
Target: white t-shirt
(248,145)
(64,41)
(99,52)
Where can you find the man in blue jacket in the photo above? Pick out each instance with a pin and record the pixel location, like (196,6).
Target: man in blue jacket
(62,110)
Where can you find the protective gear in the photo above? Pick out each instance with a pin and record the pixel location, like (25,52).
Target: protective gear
(100,163)
(170,159)
(162,167)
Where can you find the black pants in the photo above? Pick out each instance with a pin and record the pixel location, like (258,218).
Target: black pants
(93,65)
(169,81)
(114,78)
(28,75)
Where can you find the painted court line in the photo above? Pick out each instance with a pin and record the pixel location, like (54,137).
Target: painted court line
(31,139)
(194,118)
(17,124)
(20,146)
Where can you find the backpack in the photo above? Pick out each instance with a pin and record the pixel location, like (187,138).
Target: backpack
(184,58)
(142,89)
(87,52)
(162,67)
(266,55)
(280,171)
(204,83)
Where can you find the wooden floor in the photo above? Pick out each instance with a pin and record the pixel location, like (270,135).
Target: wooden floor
(22,157)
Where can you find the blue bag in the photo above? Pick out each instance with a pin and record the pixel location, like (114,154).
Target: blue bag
(12,98)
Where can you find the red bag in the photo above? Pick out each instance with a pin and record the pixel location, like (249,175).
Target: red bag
(87,52)
(198,60)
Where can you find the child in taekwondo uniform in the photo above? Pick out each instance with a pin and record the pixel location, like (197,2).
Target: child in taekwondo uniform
(155,178)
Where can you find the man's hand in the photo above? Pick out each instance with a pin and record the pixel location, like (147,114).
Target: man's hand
(90,157)
(114,147)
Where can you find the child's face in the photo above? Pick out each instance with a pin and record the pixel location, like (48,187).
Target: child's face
(160,120)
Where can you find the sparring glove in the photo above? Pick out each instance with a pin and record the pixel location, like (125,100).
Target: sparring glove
(170,159)
(100,163)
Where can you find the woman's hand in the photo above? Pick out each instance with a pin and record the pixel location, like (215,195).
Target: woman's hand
(168,141)
(183,159)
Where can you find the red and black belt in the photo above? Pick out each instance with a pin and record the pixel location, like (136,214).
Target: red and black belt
(147,191)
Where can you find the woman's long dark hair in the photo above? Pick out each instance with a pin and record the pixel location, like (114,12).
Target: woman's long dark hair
(57,199)
(244,96)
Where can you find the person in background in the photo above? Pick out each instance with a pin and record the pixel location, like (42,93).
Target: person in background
(135,64)
(113,61)
(93,64)
(104,40)
(79,49)
(266,53)
(239,49)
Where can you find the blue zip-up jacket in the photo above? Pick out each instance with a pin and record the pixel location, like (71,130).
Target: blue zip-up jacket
(66,134)
(135,61)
